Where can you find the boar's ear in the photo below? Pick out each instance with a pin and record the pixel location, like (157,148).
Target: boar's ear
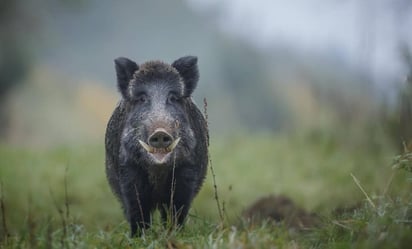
(187,68)
(125,69)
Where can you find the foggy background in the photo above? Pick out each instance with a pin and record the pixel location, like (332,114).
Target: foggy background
(272,66)
(302,96)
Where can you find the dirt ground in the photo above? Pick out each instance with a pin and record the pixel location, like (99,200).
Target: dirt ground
(281,210)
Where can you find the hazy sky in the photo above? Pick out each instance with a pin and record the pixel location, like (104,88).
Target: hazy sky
(365,32)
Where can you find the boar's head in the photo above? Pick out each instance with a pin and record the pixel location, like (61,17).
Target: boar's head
(157,129)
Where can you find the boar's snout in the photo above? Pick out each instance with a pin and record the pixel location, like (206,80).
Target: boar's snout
(160,138)
(160,145)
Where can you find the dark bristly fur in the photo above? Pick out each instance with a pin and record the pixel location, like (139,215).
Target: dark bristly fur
(156,95)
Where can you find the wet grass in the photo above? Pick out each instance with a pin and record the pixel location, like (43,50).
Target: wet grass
(59,197)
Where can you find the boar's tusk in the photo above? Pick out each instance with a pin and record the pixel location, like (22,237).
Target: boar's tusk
(173,145)
(147,147)
(150,149)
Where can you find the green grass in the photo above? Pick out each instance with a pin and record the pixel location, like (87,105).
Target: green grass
(313,171)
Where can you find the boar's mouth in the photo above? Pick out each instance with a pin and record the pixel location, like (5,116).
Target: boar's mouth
(160,154)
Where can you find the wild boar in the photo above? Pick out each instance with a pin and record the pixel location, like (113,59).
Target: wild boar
(156,141)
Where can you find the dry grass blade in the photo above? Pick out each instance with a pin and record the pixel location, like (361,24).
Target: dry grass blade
(140,205)
(220,210)
(172,194)
(335,222)
(363,191)
(5,234)
(66,197)
(63,219)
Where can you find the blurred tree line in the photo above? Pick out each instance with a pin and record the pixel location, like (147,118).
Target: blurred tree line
(20,29)
(398,120)
(15,28)
(405,103)
(246,77)
(245,85)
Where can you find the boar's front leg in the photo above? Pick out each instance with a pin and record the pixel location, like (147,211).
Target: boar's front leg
(182,194)
(136,199)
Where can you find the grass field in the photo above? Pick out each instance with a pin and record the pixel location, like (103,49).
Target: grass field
(59,197)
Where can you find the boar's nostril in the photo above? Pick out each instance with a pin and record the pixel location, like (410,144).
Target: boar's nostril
(160,139)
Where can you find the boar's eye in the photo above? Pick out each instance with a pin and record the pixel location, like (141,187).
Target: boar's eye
(173,98)
(142,98)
